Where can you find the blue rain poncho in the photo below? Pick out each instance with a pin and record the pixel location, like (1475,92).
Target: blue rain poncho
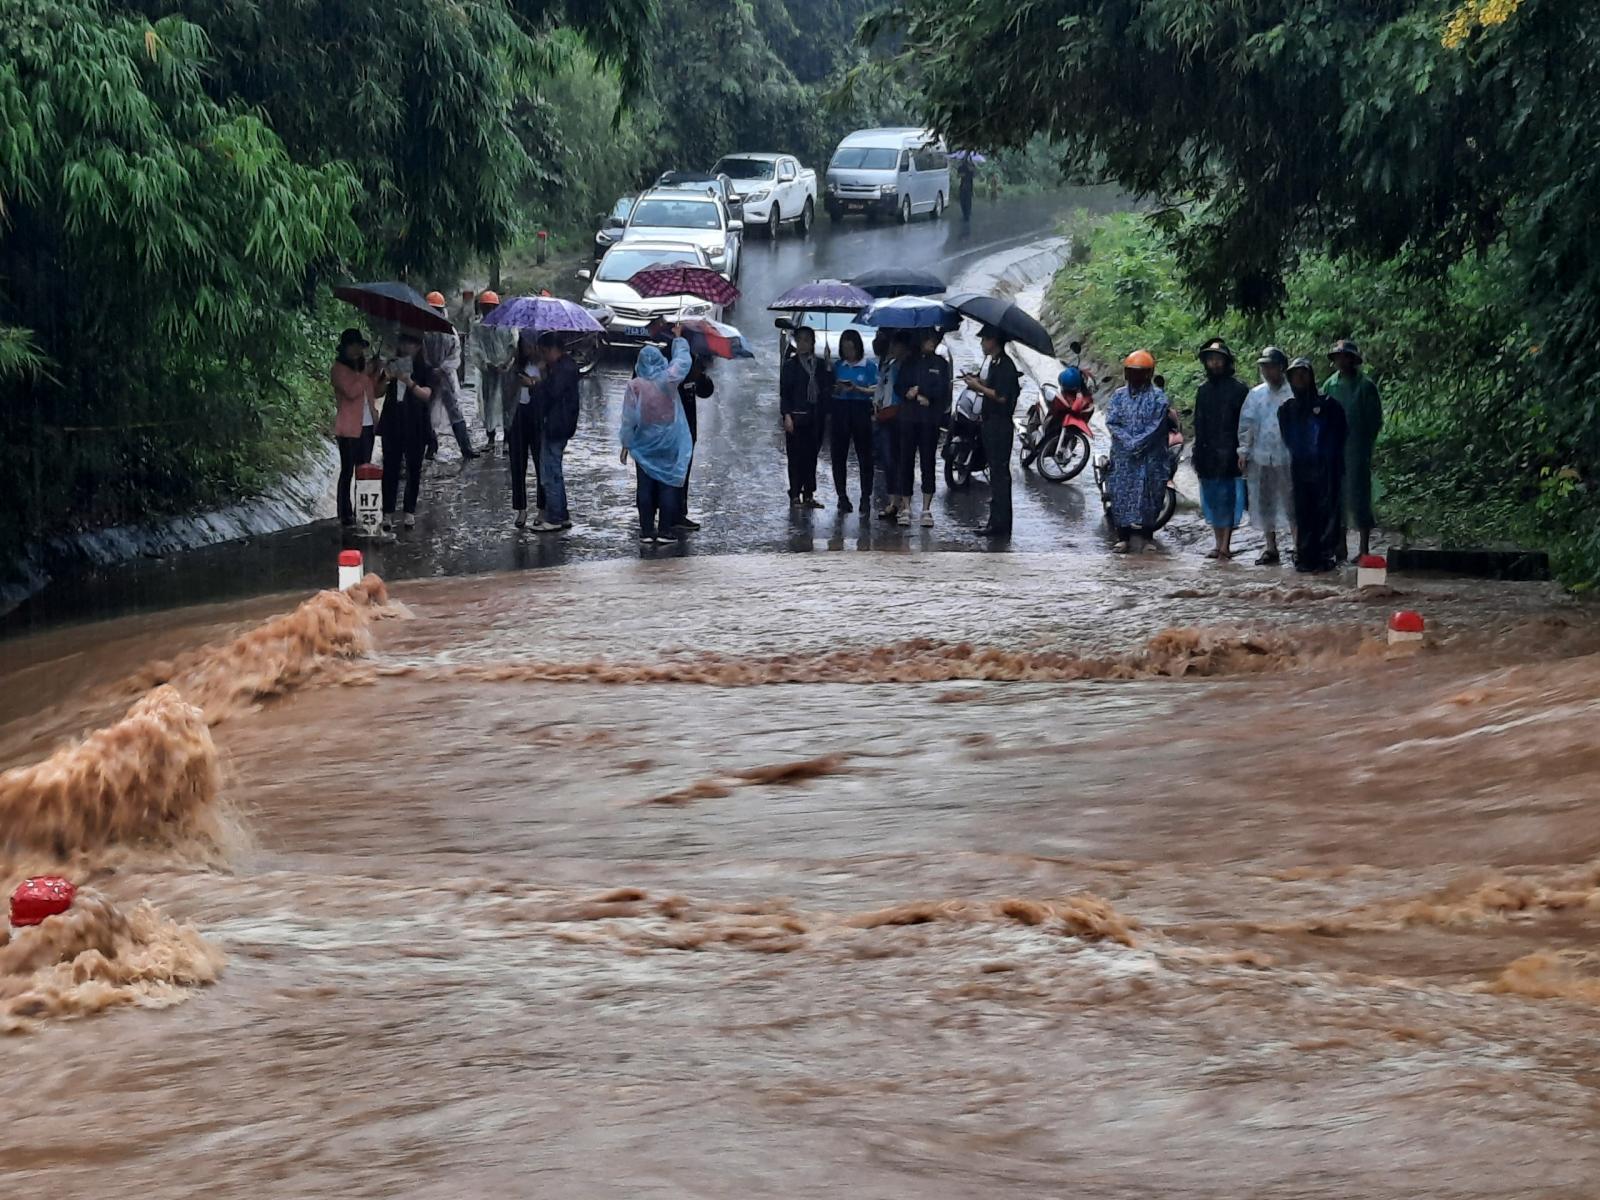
(654,429)
(1140,466)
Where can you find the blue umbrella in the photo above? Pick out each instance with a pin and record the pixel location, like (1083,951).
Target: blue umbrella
(910,312)
(822,295)
(546,314)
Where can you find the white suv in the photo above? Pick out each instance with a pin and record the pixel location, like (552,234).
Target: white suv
(698,218)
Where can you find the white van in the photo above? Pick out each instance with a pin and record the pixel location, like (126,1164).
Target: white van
(884,172)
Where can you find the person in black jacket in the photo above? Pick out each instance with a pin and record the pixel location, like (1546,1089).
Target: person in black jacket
(556,398)
(923,385)
(1000,385)
(696,386)
(804,386)
(405,425)
(1217,405)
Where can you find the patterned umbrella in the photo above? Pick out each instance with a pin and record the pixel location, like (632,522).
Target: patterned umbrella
(544,313)
(888,282)
(706,336)
(683,279)
(394,302)
(910,312)
(822,295)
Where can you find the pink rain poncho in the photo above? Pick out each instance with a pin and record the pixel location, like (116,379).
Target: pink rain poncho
(654,429)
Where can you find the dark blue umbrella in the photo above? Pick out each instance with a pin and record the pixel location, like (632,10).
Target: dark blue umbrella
(888,282)
(395,302)
(910,312)
(546,314)
(822,295)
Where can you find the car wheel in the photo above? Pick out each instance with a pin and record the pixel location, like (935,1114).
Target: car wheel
(808,216)
(774,221)
(938,206)
(905,211)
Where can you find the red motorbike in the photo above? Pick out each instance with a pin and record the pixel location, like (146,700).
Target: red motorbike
(1056,436)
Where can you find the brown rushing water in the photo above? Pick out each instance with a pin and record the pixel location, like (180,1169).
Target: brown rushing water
(912,876)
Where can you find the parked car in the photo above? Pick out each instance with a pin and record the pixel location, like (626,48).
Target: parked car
(775,189)
(700,181)
(631,312)
(611,226)
(883,172)
(699,218)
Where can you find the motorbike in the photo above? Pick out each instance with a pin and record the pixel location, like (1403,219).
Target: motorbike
(587,349)
(1169,505)
(1055,434)
(963,441)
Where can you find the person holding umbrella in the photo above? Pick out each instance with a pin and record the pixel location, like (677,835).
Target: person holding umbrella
(405,424)
(855,384)
(804,385)
(1000,384)
(924,388)
(966,176)
(697,385)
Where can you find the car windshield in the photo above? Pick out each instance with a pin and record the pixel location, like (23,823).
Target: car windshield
(745,168)
(622,208)
(622,264)
(865,158)
(678,214)
(827,322)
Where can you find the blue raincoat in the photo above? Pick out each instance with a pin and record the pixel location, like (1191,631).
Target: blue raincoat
(654,429)
(1139,462)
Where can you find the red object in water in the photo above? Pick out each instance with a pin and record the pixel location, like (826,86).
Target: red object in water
(1406,622)
(349,558)
(369,471)
(40,897)
(1373,562)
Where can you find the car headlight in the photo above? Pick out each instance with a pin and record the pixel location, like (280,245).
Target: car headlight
(719,253)
(698,309)
(833,188)
(888,189)
(756,197)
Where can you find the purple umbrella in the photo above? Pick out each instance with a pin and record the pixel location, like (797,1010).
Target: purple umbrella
(822,295)
(544,313)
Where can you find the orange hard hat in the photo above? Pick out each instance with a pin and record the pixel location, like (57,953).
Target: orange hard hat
(1140,360)
(435,298)
(488,296)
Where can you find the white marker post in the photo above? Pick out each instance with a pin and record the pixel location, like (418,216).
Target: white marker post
(350,569)
(1372,570)
(369,500)
(1406,629)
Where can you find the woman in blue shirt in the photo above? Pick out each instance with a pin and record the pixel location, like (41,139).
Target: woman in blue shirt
(855,384)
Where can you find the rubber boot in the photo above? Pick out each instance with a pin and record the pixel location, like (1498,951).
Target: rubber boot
(459,428)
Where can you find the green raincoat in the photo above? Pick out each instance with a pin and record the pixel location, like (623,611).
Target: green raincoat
(1363,412)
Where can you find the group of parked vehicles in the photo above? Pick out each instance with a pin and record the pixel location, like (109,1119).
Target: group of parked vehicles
(703,217)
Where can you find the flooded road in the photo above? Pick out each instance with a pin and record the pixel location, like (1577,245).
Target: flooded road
(772,875)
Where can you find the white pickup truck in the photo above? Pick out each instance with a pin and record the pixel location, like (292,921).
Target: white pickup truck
(775,189)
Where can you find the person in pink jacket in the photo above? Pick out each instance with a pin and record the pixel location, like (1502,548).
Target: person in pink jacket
(355,394)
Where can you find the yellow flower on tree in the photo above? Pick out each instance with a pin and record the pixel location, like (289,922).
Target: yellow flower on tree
(1477,14)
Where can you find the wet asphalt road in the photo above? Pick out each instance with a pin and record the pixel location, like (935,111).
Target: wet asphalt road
(738,485)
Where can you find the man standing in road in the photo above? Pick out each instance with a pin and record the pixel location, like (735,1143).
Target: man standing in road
(491,348)
(1264,458)
(556,395)
(966,174)
(1217,406)
(1363,413)
(1000,385)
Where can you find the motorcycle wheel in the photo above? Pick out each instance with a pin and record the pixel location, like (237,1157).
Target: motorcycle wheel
(1028,443)
(958,471)
(1074,456)
(1169,509)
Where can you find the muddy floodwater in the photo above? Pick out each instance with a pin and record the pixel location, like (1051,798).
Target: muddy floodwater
(779,876)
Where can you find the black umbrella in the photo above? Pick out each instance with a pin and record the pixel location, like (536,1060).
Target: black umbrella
(394,302)
(1005,316)
(887,282)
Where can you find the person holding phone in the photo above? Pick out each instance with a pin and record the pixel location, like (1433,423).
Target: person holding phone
(1000,384)
(855,386)
(405,425)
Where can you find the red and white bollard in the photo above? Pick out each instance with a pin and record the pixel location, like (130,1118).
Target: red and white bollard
(40,897)
(1406,629)
(369,499)
(1372,570)
(350,569)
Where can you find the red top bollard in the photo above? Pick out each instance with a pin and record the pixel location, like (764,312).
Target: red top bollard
(1406,622)
(349,558)
(1374,562)
(40,897)
(369,471)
